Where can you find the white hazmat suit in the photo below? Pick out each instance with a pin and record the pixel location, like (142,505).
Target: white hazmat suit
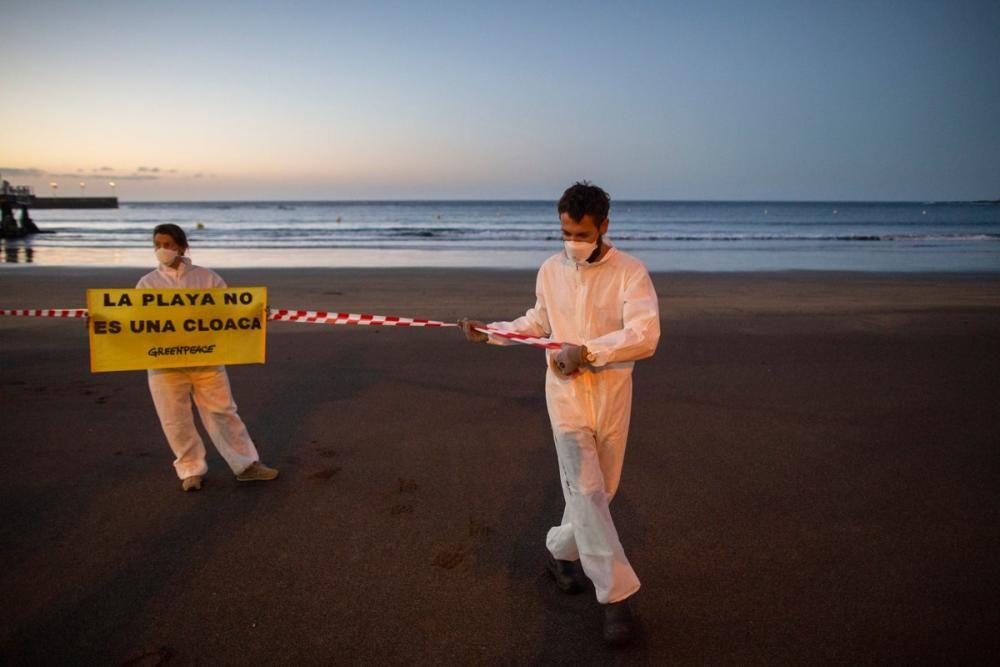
(173,388)
(609,306)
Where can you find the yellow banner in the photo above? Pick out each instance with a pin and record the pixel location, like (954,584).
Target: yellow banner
(133,329)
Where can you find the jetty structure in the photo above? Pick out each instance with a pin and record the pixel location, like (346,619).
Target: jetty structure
(23,197)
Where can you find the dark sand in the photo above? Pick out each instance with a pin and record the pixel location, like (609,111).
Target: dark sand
(813,478)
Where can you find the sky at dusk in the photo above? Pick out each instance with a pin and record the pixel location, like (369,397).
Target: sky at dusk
(765,100)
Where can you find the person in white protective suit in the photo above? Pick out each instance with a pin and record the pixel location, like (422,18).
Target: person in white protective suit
(600,304)
(173,388)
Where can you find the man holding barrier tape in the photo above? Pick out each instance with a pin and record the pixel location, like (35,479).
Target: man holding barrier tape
(600,304)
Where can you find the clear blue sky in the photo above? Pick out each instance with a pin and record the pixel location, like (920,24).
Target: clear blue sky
(662,100)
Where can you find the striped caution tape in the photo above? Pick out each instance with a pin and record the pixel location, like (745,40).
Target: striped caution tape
(546,343)
(323,317)
(50,312)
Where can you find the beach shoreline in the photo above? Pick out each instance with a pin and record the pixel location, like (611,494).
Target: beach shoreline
(667,236)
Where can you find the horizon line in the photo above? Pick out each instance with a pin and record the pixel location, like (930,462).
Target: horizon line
(545,201)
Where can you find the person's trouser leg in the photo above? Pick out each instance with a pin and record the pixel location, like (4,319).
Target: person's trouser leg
(215,403)
(589,469)
(171,392)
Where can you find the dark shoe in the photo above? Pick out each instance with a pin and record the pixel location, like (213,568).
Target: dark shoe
(192,483)
(568,575)
(617,623)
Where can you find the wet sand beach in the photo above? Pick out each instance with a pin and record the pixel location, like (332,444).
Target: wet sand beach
(811,479)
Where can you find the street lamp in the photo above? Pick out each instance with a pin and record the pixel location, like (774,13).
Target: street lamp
(112,184)
(54,186)
(83,187)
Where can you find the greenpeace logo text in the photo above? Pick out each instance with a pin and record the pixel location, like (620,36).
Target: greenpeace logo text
(180,349)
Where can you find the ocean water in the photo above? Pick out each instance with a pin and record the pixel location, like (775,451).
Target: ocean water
(667,236)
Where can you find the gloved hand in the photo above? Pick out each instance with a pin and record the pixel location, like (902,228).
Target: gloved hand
(469,329)
(569,359)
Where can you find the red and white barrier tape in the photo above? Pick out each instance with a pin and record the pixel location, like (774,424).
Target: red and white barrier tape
(50,312)
(323,317)
(546,343)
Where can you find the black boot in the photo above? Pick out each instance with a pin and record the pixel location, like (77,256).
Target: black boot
(618,623)
(568,574)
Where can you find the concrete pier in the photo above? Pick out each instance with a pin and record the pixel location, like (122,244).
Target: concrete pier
(12,196)
(75,202)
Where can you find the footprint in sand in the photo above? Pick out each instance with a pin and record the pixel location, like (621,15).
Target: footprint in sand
(326,473)
(478,527)
(404,486)
(150,658)
(407,486)
(449,557)
(453,555)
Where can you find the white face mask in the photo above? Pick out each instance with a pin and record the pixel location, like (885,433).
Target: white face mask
(579,251)
(166,256)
